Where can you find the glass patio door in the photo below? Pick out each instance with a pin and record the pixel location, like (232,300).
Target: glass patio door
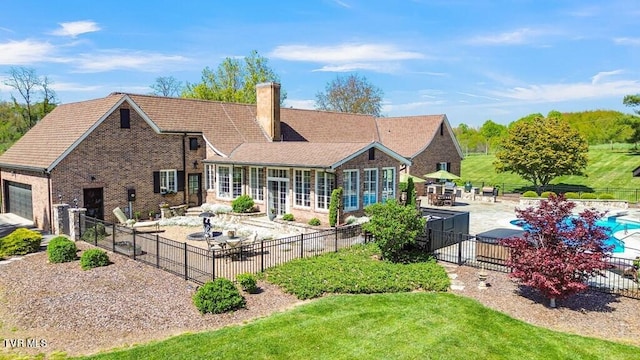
(278,190)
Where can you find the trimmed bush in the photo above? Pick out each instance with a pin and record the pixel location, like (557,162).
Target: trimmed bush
(334,206)
(93,258)
(547,194)
(218,296)
(314,222)
(242,204)
(248,283)
(588,196)
(288,217)
(96,232)
(572,195)
(530,194)
(20,242)
(61,249)
(605,196)
(402,186)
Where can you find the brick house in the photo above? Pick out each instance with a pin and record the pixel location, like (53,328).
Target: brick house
(138,150)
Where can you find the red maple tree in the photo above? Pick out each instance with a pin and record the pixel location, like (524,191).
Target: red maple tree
(558,251)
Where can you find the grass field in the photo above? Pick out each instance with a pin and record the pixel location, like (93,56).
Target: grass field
(607,171)
(383,326)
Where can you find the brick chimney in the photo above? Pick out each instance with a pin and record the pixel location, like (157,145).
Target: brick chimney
(268,109)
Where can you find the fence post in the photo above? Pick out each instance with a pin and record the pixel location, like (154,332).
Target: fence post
(113,236)
(301,245)
(429,241)
(157,251)
(186,277)
(213,264)
(261,255)
(335,233)
(95,232)
(134,244)
(459,248)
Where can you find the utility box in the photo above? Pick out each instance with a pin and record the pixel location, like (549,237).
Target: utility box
(131,194)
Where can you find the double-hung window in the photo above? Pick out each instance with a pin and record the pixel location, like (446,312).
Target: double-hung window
(370,195)
(350,196)
(388,184)
(224,177)
(168,181)
(302,187)
(237,182)
(324,187)
(210,177)
(256,183)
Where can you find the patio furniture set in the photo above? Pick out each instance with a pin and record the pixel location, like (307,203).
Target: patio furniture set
(231,243)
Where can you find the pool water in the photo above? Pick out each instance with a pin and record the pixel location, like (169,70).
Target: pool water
(611,226)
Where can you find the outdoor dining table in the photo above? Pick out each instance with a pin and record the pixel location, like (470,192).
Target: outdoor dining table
(231,244)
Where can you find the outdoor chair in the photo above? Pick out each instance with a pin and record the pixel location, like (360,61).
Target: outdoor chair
(130,223)
(249,243)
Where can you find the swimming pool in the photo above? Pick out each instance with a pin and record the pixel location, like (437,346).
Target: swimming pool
(611,224)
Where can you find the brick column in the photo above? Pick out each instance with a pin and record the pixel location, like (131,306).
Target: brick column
(61,219)
(74,223)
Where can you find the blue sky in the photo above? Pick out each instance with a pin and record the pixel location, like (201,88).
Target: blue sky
(472,60)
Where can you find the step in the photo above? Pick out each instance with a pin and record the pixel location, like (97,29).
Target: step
(258,222)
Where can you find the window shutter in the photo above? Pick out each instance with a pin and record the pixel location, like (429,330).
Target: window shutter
(180,180)
(448,166)
(156,182)
(437,166)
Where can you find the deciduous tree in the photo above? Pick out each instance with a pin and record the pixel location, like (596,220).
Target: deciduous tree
(558,252)
(541,149)
(352,94)
(167,86)
(234,80)
(393,226)
(26,82)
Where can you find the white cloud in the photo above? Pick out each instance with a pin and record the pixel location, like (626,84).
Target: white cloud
(477,96)
(76,28)
(567,92)
(125,60)
(75,87)
(24,52)
(627,41)
(599,76)
(344,53)
(342,4)
(378,67)
(412,107)
(516,37)
(300,104)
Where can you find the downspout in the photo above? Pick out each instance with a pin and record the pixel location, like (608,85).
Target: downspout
(50,200)
(184,168)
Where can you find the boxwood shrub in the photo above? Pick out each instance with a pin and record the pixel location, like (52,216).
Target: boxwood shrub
(93,258)
(61,249)
(242,204)
(588,196)
(288,217)
(530,194)
(314,222)
(572,195)
(605,196)
(218,296)
(248,283)
(547,194)
(96,232)
(20,242)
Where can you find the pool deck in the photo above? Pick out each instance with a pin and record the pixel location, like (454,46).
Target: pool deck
(484,216)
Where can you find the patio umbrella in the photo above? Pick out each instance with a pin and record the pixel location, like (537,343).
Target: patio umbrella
(207,214)
(416,179)
(441,175)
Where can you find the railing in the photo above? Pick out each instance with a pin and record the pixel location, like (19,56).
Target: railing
(630,195)
(468,250)
(200,265)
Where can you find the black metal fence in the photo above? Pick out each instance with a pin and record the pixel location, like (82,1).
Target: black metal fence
(630,195)
(199,264)
(469,250)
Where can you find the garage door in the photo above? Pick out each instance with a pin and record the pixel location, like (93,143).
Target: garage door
(19,200)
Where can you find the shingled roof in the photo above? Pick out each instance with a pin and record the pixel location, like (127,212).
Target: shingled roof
(410,134)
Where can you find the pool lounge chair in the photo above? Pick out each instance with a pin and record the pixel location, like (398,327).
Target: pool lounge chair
(122,219)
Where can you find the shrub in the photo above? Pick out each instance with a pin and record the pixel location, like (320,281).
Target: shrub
(242,204)
(605,196)
(248,283)
(411,193)
(93,258)
(314,222)
(20,242)
(547,194)
(530,194)
(588,196)
(572,195)
(218,296)
(288,217)
(394,227)
(96,232)
(334,206)
(61,249)
(402,186)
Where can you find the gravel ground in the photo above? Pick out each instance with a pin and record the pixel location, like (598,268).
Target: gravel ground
(83,312)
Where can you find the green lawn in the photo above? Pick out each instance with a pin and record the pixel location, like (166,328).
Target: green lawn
(382,326)
(607,169)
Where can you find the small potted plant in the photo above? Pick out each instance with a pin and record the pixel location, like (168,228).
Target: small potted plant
(152,215)
(137,215)
(272,214)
